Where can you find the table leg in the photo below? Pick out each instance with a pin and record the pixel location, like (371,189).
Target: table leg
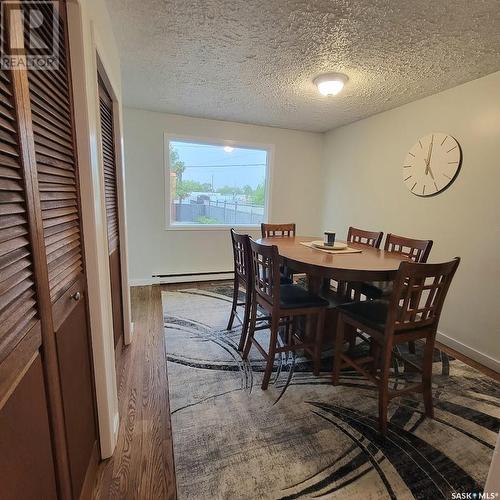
(316,284)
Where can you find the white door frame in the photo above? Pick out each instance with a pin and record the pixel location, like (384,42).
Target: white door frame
(86,52)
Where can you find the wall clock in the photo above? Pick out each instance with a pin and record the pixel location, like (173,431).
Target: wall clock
(432,164)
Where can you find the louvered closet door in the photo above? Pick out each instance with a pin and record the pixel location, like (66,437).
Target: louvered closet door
(111,191)
(54,143)
(26,460)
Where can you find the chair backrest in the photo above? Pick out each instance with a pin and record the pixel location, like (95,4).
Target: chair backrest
(416,250)
(367,238)
(418,295)
(242,256)
(276,230)
(266,271)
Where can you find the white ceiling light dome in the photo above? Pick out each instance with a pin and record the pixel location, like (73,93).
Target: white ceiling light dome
(330,83)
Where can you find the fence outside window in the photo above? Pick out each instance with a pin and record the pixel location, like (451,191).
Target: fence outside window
(216,212)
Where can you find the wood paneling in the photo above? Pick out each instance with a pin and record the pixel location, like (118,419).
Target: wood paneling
(109,164)
(13,367)
(18,308)
(22,106)
(57,194)
(116,295)
(42,281)
(26,458)
(51,110)
(26,463)
(111,199)
(76,383)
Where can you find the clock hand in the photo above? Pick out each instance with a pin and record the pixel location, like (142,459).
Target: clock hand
(430,171)
(429,153)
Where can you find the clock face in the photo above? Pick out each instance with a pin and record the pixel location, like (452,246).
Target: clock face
(432,164)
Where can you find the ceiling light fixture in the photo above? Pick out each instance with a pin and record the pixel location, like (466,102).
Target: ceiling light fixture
(330,83)
(228,149)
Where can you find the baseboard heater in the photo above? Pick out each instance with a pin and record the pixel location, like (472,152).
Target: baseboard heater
(190,274)
(205,276)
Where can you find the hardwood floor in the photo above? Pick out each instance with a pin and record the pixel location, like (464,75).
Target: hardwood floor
(142,466)
(468,361)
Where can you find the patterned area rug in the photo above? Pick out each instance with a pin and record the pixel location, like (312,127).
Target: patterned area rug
(304,438)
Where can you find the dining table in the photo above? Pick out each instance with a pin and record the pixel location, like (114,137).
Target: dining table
(370,264)
(320,267)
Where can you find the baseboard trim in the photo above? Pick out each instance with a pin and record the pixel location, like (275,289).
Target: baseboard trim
(182,278)
(144,282)
(478,356)
(196,277)
(192,275)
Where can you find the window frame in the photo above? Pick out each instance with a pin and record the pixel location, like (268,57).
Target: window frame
(211,141)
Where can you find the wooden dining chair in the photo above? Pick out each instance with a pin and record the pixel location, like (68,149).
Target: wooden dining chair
(277,230)
(414,250)
(362,237)
(284,303)
(412,313)
(242,280)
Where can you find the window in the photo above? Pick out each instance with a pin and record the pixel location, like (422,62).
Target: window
(213,184)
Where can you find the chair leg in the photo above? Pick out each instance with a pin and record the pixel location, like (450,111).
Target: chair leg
(350,333)
(383,394)
(251,329)
(294,328)
(233,306)
(339,342)
(246,321)
(318,342)
(411,347)
(286,272)
(273,339)
(287,331)
(375,352)
(427,377)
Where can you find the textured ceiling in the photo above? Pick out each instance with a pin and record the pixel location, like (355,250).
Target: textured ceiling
(253,61)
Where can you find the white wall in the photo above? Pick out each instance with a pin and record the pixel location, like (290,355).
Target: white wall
(363,187)
(296,178)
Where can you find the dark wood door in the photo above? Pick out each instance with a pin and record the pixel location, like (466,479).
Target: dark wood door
(26,458)
(48,430)
(111,191)
(57,190)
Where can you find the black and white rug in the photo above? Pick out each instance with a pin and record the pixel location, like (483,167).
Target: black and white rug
(304,438)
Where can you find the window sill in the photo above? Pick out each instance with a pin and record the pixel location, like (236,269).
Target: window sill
(212,227)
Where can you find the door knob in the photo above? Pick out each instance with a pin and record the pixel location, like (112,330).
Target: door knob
(77,296)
